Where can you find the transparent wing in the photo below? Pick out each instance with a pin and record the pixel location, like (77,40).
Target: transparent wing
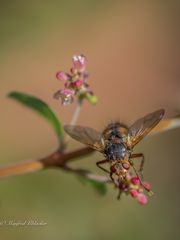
(143,126)
(85,135)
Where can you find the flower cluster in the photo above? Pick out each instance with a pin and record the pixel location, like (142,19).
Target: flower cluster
(134,187)
(75,83)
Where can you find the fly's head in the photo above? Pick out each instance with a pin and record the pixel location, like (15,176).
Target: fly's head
(120,168)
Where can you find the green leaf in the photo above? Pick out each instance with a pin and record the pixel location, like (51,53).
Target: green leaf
(42,108)
(99,187)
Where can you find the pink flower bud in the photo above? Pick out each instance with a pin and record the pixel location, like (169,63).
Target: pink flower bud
(67,91)
(142,199)
(67,96)
(135,180)
(133,193)
(79,62)
(140,190)
(78,83)
(62,76)
(147,186)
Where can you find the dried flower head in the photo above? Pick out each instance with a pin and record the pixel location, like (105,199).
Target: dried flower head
(75,83)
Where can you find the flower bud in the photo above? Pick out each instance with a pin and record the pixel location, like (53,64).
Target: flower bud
(140,190)
(75,83)
(92,99)
(78,83)
(66,96)
(142,199)
(135,180)
(79,62)
(67,92)
(133,193)
(147,186)
(62,76)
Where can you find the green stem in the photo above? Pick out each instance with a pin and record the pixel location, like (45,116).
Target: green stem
(76,113)
(74,119)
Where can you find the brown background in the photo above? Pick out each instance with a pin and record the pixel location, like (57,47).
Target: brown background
(133,59)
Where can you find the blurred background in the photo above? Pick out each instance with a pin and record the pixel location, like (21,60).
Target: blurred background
(133,55)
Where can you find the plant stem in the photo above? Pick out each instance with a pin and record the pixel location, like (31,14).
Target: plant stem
(76,113)
(74,118)
(88,175)
(21,168)
(56,159)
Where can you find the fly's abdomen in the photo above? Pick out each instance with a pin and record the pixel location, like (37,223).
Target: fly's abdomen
(115,151)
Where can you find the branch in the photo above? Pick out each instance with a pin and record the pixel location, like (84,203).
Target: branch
(57,159)
(88,175)
(21,168)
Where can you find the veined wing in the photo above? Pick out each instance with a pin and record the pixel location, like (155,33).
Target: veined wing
(143,126)
(85,135)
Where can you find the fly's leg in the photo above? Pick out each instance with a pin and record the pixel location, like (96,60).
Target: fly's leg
(102,162)
(111,176)
(120,190)
(119,194)
(104,169)
(139,155)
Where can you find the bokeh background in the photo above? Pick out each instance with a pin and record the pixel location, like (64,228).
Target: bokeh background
(133,59)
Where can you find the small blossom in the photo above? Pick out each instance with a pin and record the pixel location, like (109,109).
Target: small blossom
(79,62)
(134,193)
(67,91)
(142,198)
(66,96)
(62,76)
(140,190)
(131,185)
(76,83)
(135,180)
(147,186)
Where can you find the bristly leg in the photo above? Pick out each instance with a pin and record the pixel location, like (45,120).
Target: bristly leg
(111,176)
(140,179)
(105,170)
(119,194)
(100,163)
(141,167)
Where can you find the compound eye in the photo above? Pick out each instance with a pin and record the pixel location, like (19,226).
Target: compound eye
(126,165)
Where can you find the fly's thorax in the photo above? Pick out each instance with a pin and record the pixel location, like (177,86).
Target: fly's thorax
(116,132)
(114,141)
(115,150)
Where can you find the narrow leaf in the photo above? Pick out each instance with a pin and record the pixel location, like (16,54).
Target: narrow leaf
(99,187)
(42,108)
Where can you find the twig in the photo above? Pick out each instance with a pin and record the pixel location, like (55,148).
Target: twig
(88,175)
(21,168)
(57,159)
